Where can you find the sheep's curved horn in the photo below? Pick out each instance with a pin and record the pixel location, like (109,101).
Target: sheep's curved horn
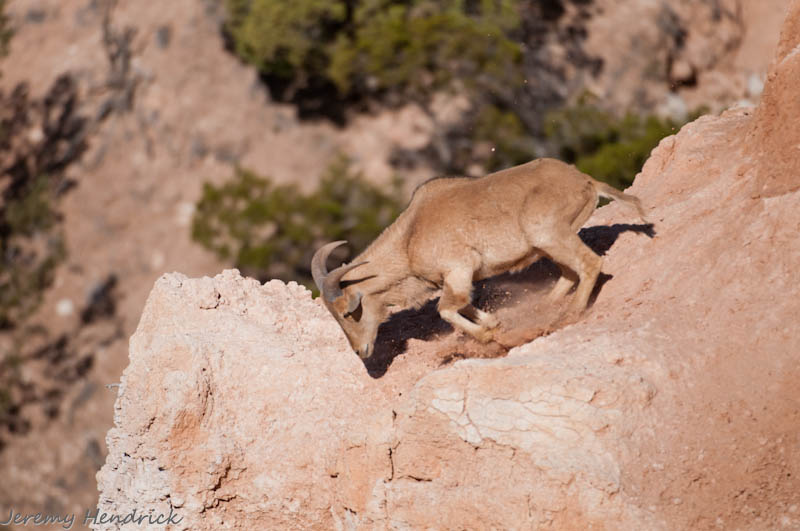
(319,269)
(328,283)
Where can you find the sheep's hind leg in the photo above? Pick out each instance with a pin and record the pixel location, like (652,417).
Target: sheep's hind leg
(563,285)
(568,250)
(456,296)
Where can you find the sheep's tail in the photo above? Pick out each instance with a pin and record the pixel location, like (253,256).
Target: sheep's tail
(609,192)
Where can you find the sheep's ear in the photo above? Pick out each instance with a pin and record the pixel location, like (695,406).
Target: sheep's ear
(353,303)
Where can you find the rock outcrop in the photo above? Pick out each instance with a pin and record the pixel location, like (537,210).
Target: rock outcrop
(672,404)
(687,54)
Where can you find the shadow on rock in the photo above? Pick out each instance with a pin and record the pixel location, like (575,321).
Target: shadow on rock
(601,237)
(393,335)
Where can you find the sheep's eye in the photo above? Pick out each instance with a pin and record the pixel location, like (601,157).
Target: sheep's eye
(355,315)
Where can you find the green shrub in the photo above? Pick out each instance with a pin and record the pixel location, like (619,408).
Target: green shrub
(5,30)
(272,231)
(369,46)
(31,244)
(419,46)
(31,249)
(285,38)
(608,148)
(619,160)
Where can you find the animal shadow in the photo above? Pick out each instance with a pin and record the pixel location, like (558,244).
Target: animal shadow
(489,295)
(600,238)
(393,335)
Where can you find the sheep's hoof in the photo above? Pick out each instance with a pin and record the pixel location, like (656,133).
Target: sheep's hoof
(569,315)
(490,322)
(484,335)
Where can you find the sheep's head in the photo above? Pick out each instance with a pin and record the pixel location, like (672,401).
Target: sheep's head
(358,313)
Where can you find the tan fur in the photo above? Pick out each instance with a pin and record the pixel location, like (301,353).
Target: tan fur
(459,230)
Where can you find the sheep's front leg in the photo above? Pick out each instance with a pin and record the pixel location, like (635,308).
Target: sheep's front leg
(456,296)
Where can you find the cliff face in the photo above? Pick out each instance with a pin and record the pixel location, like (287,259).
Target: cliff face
(671,404)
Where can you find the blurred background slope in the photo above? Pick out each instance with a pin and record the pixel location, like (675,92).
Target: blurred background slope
(191,135)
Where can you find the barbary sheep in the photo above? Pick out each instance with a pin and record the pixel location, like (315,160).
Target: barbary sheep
(459,230)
